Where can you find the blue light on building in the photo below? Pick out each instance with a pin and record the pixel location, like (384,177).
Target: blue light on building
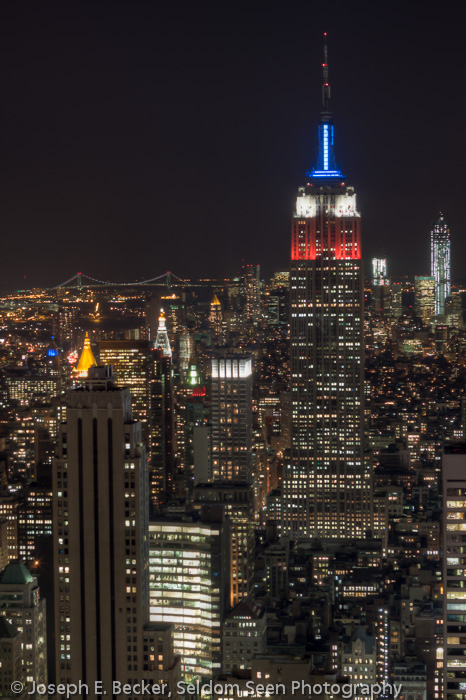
(326,162)
(325,130)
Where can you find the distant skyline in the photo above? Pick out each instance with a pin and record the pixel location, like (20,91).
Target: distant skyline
(138,137)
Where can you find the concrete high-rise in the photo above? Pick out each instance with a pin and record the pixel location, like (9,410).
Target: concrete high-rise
(100,527)
(326,489)
(440,250)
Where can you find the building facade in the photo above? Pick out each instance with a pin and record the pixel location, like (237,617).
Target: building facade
(237,501)
(232,418)
(189,577)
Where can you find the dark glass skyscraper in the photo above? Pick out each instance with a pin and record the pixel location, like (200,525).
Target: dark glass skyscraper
(326,491)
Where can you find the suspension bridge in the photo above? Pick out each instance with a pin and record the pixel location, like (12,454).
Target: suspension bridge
(167,280)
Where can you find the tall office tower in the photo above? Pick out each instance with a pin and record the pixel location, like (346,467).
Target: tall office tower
(454,570)
(424,297)
(237,501)
(440,251)
(380,286)
(132,362)
(189,577)
(163,438)
(251,281)
(22,606)
(100,487)
(232,418)
(326,490)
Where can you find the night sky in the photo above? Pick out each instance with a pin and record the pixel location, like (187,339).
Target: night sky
(140,137)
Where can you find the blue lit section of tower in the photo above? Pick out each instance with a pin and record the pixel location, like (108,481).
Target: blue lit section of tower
(441,262)
(326,166)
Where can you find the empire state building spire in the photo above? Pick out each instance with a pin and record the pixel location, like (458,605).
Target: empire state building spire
(325,85)
(326,166)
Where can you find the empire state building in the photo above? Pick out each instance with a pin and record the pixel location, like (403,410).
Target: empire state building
(326,485)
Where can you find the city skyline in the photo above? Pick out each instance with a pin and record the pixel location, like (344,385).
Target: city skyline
(116,121)
(248,470)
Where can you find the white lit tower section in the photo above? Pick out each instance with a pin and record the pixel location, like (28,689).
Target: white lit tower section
(440,249)
(326,489)
(379,272)
(380,286)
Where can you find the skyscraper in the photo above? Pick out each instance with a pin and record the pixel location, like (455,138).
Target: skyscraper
(440,246)
(189,581)
(100,487)
(326,490)
(379,271)
(237,501)
(424,297)
(232,418)
(454,570)
(163,437)
(380,286)
(146,369)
